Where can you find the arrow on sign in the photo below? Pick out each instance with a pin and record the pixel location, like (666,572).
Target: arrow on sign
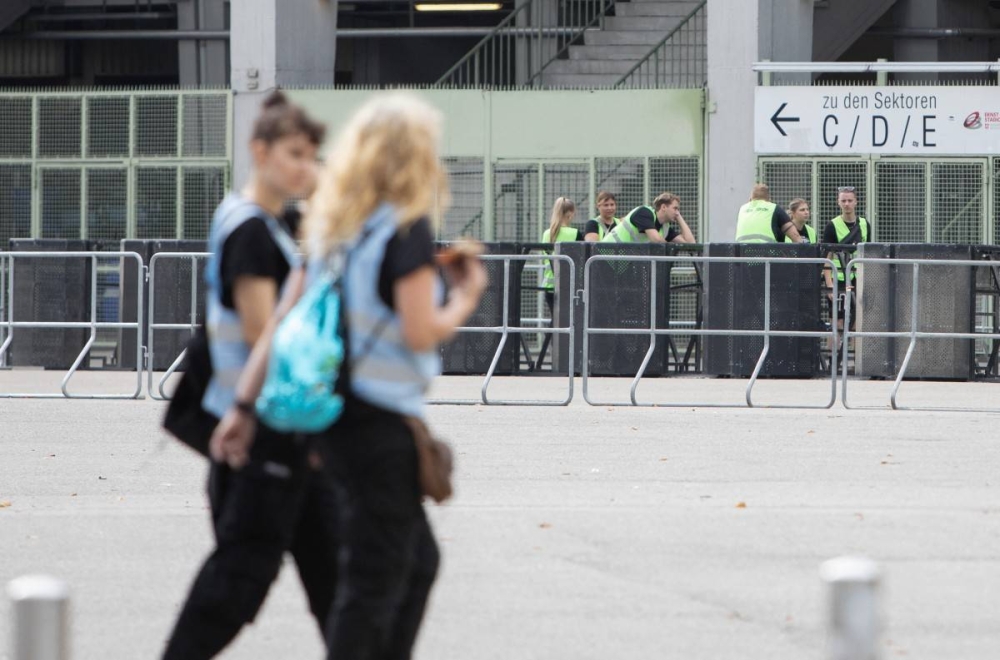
(775,119)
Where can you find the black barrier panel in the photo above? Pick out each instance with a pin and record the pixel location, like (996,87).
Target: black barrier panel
(946,300)
(734,300)
(988,310)
(471,353)
(50,290)
(173,298)
(620,297)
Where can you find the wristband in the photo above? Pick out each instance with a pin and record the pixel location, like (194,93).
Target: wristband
(246,407)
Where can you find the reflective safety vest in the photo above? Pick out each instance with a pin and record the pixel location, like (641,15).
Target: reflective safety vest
(626,232)
(754,223)
(228,349)
(385,371)
(843,229)
(565,235)
(810,234)
(603,231)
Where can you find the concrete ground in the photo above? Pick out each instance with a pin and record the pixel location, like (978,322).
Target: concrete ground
(579,532)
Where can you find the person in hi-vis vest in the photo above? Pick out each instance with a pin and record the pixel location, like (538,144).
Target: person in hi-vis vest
(847,229)
(559,231)
(660,223)
(601,226)
(798,211)
(763,221)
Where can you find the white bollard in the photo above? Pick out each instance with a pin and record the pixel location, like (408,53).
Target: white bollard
(854,622)
(40,607)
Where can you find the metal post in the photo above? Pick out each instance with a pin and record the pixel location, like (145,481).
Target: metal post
(40,607)
(853,624)
(881,77)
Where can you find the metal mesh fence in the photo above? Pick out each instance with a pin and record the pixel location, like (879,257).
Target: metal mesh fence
(625,177)
(996,201)
(833,175)
(61,198)
(787,180)
(465,216)
(571,180)
(516,214)
(957,202)
(110,166)
(901,190)
(15,202)
(107,203)
(681,177)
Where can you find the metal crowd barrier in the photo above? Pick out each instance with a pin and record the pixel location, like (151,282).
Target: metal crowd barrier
(912,334)
(10,325)
(505,330)
(654,332)
(156,392)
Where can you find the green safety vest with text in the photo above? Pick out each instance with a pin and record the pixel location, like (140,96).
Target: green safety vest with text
(626,232)
(754,222)
(565,235)
(843,229)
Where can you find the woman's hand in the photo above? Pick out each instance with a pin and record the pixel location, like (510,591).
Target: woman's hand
(469,279)
(232,438)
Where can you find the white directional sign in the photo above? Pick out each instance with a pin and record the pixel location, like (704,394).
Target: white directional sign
(877,120)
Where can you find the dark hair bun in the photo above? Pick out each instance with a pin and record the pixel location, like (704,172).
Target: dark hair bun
(275,99)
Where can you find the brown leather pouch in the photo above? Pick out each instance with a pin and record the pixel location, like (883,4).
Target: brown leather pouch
(435,462)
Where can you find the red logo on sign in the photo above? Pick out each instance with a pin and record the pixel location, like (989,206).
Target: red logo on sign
(973,121)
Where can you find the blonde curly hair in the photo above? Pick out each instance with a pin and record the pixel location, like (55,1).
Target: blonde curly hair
(387,152)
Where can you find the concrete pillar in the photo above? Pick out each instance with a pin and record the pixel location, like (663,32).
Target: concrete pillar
(276,43)
(916,14)
(741,32)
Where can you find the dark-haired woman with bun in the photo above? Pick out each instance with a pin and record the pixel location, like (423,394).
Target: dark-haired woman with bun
(279,499)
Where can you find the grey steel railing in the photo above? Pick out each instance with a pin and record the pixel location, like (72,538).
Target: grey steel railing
(93,324)
(505,330)
(653,332)
(191,325)
(913,334)
(525,42)
(680,59)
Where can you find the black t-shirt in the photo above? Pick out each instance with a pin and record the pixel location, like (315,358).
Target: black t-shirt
(594,227)
(644,219)
(410,249)
(250,251)
(778,220)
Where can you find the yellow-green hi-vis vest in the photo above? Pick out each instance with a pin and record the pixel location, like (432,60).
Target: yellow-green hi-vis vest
(565,235)
(626,232)
(603,231)
(810,234)
(843,229)
(754,223)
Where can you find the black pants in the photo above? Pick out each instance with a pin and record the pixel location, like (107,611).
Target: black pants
(277,503)
(390,558)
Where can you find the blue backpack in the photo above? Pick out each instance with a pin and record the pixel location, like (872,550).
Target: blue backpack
(307,351)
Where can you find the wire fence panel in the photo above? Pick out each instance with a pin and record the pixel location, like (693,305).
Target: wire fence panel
(156,202)
(682,177)
(202,117)
(464,218)
(516,214)
(203,188)
(958,202)
(625,178)
(156,126)
(570,180)
(107,127)
(60,191)
(15,201)
(901,203)
(107,203)
(60,127)
(833,175)
(15,129)
(995,215)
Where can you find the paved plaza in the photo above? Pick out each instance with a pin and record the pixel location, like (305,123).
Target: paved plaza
(579,532)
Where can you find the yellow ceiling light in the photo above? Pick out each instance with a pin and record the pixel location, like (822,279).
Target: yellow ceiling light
(459,6)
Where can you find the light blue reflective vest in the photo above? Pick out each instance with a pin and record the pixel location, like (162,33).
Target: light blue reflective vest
(228,349)
(384,371)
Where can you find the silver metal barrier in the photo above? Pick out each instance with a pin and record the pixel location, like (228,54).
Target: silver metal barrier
(157,392)
(912,334)
(3,306)
(505,330)
(94,325)
(655,332)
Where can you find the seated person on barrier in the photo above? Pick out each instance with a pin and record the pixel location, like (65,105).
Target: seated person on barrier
(660,223)
(798,211)
(605,221)
(846,229)
(763,221)
(559,231)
